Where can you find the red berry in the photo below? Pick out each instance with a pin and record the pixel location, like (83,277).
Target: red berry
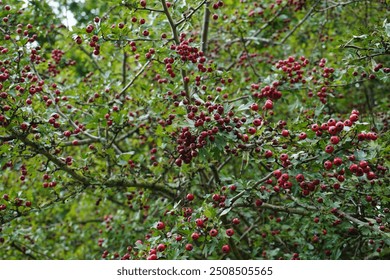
(277,174)
(161,247)
(329,149)
(252,130)
(332,130)
(315,127)
(353,117)
(256,122)
(179,237)
(229,232)
(283,157)
(339,126)
(226,249)
(268,104)
(190,197)
(178,162)
(189,247)
(195,236)
(371,175)
(334,140)
(23,126)
(258,202)
(216,197)
(331,122)
(213,232)
(199,222)
(300,178)
(328,164)
(89,28)
(363,163)
(160,225)
(268,154)
(255,107)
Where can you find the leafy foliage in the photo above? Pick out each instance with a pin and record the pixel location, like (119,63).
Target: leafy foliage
(194,130)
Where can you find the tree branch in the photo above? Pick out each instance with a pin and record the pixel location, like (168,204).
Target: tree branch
(300,22)
(124,72)
(58,162)
(123,182)
(205,27)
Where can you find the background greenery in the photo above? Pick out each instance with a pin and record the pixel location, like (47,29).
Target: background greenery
(100,191)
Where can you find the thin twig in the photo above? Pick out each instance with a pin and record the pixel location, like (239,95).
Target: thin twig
(219,169)
(338,5)
(300,22)
(135,77)
(193,11)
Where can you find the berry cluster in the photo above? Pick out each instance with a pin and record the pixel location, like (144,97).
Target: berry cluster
(293,68)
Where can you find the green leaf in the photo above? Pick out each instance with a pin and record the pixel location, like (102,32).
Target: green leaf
(225,211)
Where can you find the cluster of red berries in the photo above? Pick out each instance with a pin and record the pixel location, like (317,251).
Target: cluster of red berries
(307,187)
(47,183)
(94,44)
(361,168)
(4,73)
(56,55)
(189,53)
(18,202)
(282,180)
(268,91)
(186,52)
(188,145)
(293,68)
(219,200)
(334,128)
(23,172)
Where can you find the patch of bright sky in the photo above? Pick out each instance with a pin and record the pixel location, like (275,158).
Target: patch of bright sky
(68,18)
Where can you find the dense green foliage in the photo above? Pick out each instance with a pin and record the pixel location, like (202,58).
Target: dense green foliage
(248,129)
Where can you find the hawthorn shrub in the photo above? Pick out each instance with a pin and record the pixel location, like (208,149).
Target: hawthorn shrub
(194,130)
